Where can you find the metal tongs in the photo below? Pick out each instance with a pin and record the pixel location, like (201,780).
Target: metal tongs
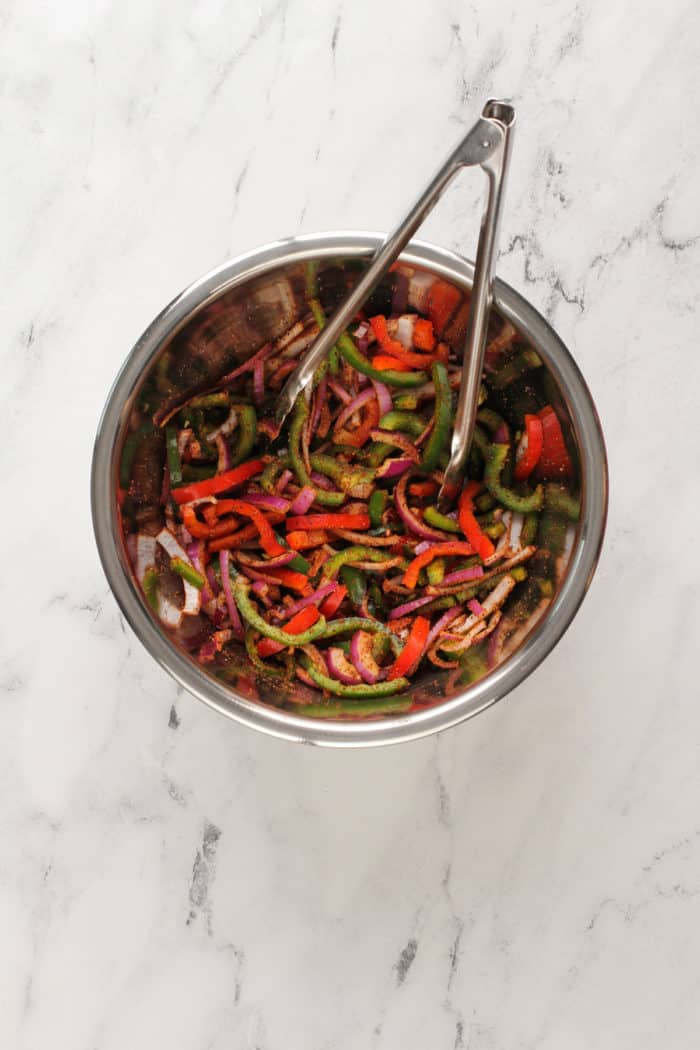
(487,144)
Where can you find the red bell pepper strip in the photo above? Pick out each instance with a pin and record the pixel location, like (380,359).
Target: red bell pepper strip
(529,448)
(304,619)
(223,543)
(480,542)
(333,602)
(219,483)
(395,348)
(423,335)
(554,462)
(267,537)
(387,363)
(412,650)
(194,525)
(295,581)
(438,550)
(301,540)
(423,488)
(442,303)
(328,521)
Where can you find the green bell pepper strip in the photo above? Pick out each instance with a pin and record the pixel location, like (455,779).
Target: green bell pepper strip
(440,521)
(356,583)
(377,505)
(241,594)
(518,365)
(490,419)
(298,562)
(250,641)
(495,461)
(435,571)
(219,399)
(188,572)
(346,477)
(350,691)
(484,503)
(174,462)
(387,705)
(301,412)
(272,471)
(408,422)
(361,623)
(495,530)
(129,451)
(335,563)
(150,587)
(436,444)
(529,529)
(406,401)
(247,433)
(358,361)
(480,442)
(558,501)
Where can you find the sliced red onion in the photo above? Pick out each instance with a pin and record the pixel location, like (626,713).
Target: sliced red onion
(393,437)
(228,425)
(282,482)
(501,435)
(193,597)
(475,607)
(384,398)
(207,651)
(394,468)
(263,353)
(259,382)
(412,523)
(145,554)
(361,646)
(283,612)
(321,481)
(404,330)
(256,574)
(339,390)
(419,285)
(236,624)
(224,461)
(361,539)
(278,562)
(303,501)
(442,623)
(409,607)
(262,499)
(474,572)
(354,406)
(211,578)
(339,667)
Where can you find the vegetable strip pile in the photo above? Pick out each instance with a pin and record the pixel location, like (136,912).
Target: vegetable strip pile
(320,549)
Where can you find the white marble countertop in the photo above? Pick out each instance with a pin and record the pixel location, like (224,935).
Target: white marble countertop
(528,880)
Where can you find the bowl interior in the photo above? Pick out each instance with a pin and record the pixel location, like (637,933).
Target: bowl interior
(226,318)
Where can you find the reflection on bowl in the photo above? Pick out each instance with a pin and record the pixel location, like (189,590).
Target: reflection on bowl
(225,319)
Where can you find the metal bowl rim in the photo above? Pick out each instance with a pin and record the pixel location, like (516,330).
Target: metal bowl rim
(223,698)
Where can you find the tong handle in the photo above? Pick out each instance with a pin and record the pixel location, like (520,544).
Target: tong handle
(496,168)
(482,142)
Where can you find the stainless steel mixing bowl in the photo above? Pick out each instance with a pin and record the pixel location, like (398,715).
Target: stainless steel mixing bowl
(261,293)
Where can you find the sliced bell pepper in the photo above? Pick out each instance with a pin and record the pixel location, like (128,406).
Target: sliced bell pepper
(495,461)
(356,583)
(301,412)
(173,454)
(332,685)
(295,581)
(219,483)
(554,461)
(412,650)
(384,363)
(438,550)
(377,505)
(351,554)
(193,525)
(468,523)
(423,334)
(333,602)
(303,620)
(187,572)
(442,303)
(360,435)
(437,442)
(328,521)
(439,521)
(529,448)
(301,540)
(240,588)
(423,488)
(268,542)
(247,433)
(235,539)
